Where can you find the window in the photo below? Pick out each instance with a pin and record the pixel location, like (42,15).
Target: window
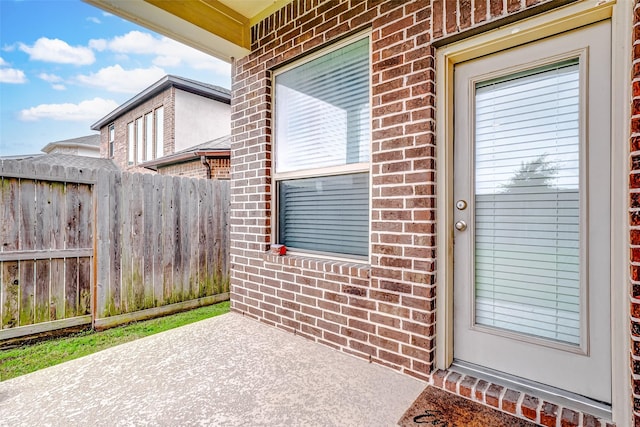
(131,142)
(112,137)
(139,140)
(148,136)
(159,132)
(322,146)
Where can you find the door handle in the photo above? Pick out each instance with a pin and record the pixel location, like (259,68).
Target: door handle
(461,225)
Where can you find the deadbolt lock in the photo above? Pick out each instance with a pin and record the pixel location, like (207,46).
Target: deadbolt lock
(461,205)
(461,225)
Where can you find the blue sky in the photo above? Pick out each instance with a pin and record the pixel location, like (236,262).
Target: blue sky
(65,64)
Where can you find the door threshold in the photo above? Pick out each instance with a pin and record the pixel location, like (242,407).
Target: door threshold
(553,394)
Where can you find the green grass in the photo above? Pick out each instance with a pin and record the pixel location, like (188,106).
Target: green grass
(29,358)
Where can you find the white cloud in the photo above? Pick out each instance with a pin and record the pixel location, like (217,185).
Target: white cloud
(94,20)
(167,52)
(58,51)
(86,110)
(50,78)
(3,63)
(107,14)
(117,79)
(12,75)
(98,44)
(132,42)
(59,87)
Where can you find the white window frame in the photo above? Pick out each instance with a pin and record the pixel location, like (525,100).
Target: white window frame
(112,138)
(149,149)
(362,167)
(509,36)
(139,128)
(131,143)
(158,136)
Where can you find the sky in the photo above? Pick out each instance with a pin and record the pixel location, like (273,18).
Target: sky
(65,64)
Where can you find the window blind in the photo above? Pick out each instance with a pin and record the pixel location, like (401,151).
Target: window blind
(527,203)
(322,111)
(325,214)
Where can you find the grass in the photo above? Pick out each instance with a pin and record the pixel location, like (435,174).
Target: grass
(32,357)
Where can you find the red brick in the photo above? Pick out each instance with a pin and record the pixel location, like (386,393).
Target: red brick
(590,421)
(481,387)
(479,11)
(438,378)
(394,358)
(548,414)
(529,407)
(493,395)
(513,5)
(466,386)
(438,14)
(452,381)
(569,418)
(495,8)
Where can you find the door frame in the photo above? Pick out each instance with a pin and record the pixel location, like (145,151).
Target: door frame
(540,26)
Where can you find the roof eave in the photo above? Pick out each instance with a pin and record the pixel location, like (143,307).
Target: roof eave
(175,159)
(229,38)
(159,86)
(50,146)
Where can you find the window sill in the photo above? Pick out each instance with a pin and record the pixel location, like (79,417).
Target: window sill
(309,262)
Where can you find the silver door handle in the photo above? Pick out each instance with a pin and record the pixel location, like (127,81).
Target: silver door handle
(461,225)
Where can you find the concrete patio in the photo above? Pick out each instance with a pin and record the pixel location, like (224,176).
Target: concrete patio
(224,371)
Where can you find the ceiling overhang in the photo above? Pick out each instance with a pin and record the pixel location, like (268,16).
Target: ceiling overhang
(221,28)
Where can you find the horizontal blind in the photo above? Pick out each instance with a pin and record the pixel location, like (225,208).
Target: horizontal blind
(325,214)
(527,203)
(322,111)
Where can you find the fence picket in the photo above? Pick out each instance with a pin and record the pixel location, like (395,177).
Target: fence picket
(137,230)
(103,279)
(184,237)
(148,212)
(116,214)
(168,233)
(10,294)
(156,241)
(126,292)
(194,238)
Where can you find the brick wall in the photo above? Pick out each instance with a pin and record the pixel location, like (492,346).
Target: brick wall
(120,154)
(383,311)
(634,216)
(220,169)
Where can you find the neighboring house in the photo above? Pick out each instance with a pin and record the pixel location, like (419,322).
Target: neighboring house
(172,115)
(491,245)
(88,146)
(209,160)
(67,160)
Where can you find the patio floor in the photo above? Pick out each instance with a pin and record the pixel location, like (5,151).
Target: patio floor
(224,371)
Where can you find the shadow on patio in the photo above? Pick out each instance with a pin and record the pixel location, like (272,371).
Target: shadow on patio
(224,371)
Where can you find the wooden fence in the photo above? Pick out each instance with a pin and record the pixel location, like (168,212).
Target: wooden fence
(80,246)
(46,241)
(166,239)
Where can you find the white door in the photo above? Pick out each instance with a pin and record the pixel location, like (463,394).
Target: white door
(532,214)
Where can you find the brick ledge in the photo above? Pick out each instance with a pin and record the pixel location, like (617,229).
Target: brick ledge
(519,404)
(347,268)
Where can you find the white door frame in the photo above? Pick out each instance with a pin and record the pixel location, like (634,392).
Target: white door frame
(540,26)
